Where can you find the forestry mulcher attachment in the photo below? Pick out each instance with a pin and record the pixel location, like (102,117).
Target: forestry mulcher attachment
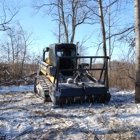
(63,79)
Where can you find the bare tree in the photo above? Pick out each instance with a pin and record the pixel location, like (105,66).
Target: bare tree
(101,16)
(16,48)
(137,41)
(68,14)
(8,11)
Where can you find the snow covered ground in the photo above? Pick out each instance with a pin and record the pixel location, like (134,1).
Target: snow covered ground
(24,116)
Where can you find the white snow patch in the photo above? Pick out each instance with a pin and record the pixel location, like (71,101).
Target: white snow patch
(21,88)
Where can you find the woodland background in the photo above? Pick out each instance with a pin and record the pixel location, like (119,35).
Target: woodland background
(113,37)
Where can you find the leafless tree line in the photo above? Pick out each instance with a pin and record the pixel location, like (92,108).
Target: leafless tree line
(17,57)
(68,15)
(71,14)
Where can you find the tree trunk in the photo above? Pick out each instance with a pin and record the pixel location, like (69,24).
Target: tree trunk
(102,26)
(63,21)
(59,22)
(103,36)
(137,63)
(73,22)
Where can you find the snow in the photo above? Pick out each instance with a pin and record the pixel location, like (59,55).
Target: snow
(21,88)
(25,116)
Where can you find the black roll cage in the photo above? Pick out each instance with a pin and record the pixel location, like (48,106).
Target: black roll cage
(103,69)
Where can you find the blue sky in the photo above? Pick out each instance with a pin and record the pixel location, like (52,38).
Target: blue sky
(42,28)
(36,23)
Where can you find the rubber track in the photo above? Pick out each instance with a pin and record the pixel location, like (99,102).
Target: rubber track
(44,82)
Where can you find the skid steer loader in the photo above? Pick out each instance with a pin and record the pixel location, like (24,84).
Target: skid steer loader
(62,78)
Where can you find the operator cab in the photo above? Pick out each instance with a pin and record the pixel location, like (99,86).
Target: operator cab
(67,63)
(51,53)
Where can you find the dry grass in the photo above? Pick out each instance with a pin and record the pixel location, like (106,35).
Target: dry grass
(121,74)
(13,72)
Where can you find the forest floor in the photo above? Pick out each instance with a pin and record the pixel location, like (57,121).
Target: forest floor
(25,116)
